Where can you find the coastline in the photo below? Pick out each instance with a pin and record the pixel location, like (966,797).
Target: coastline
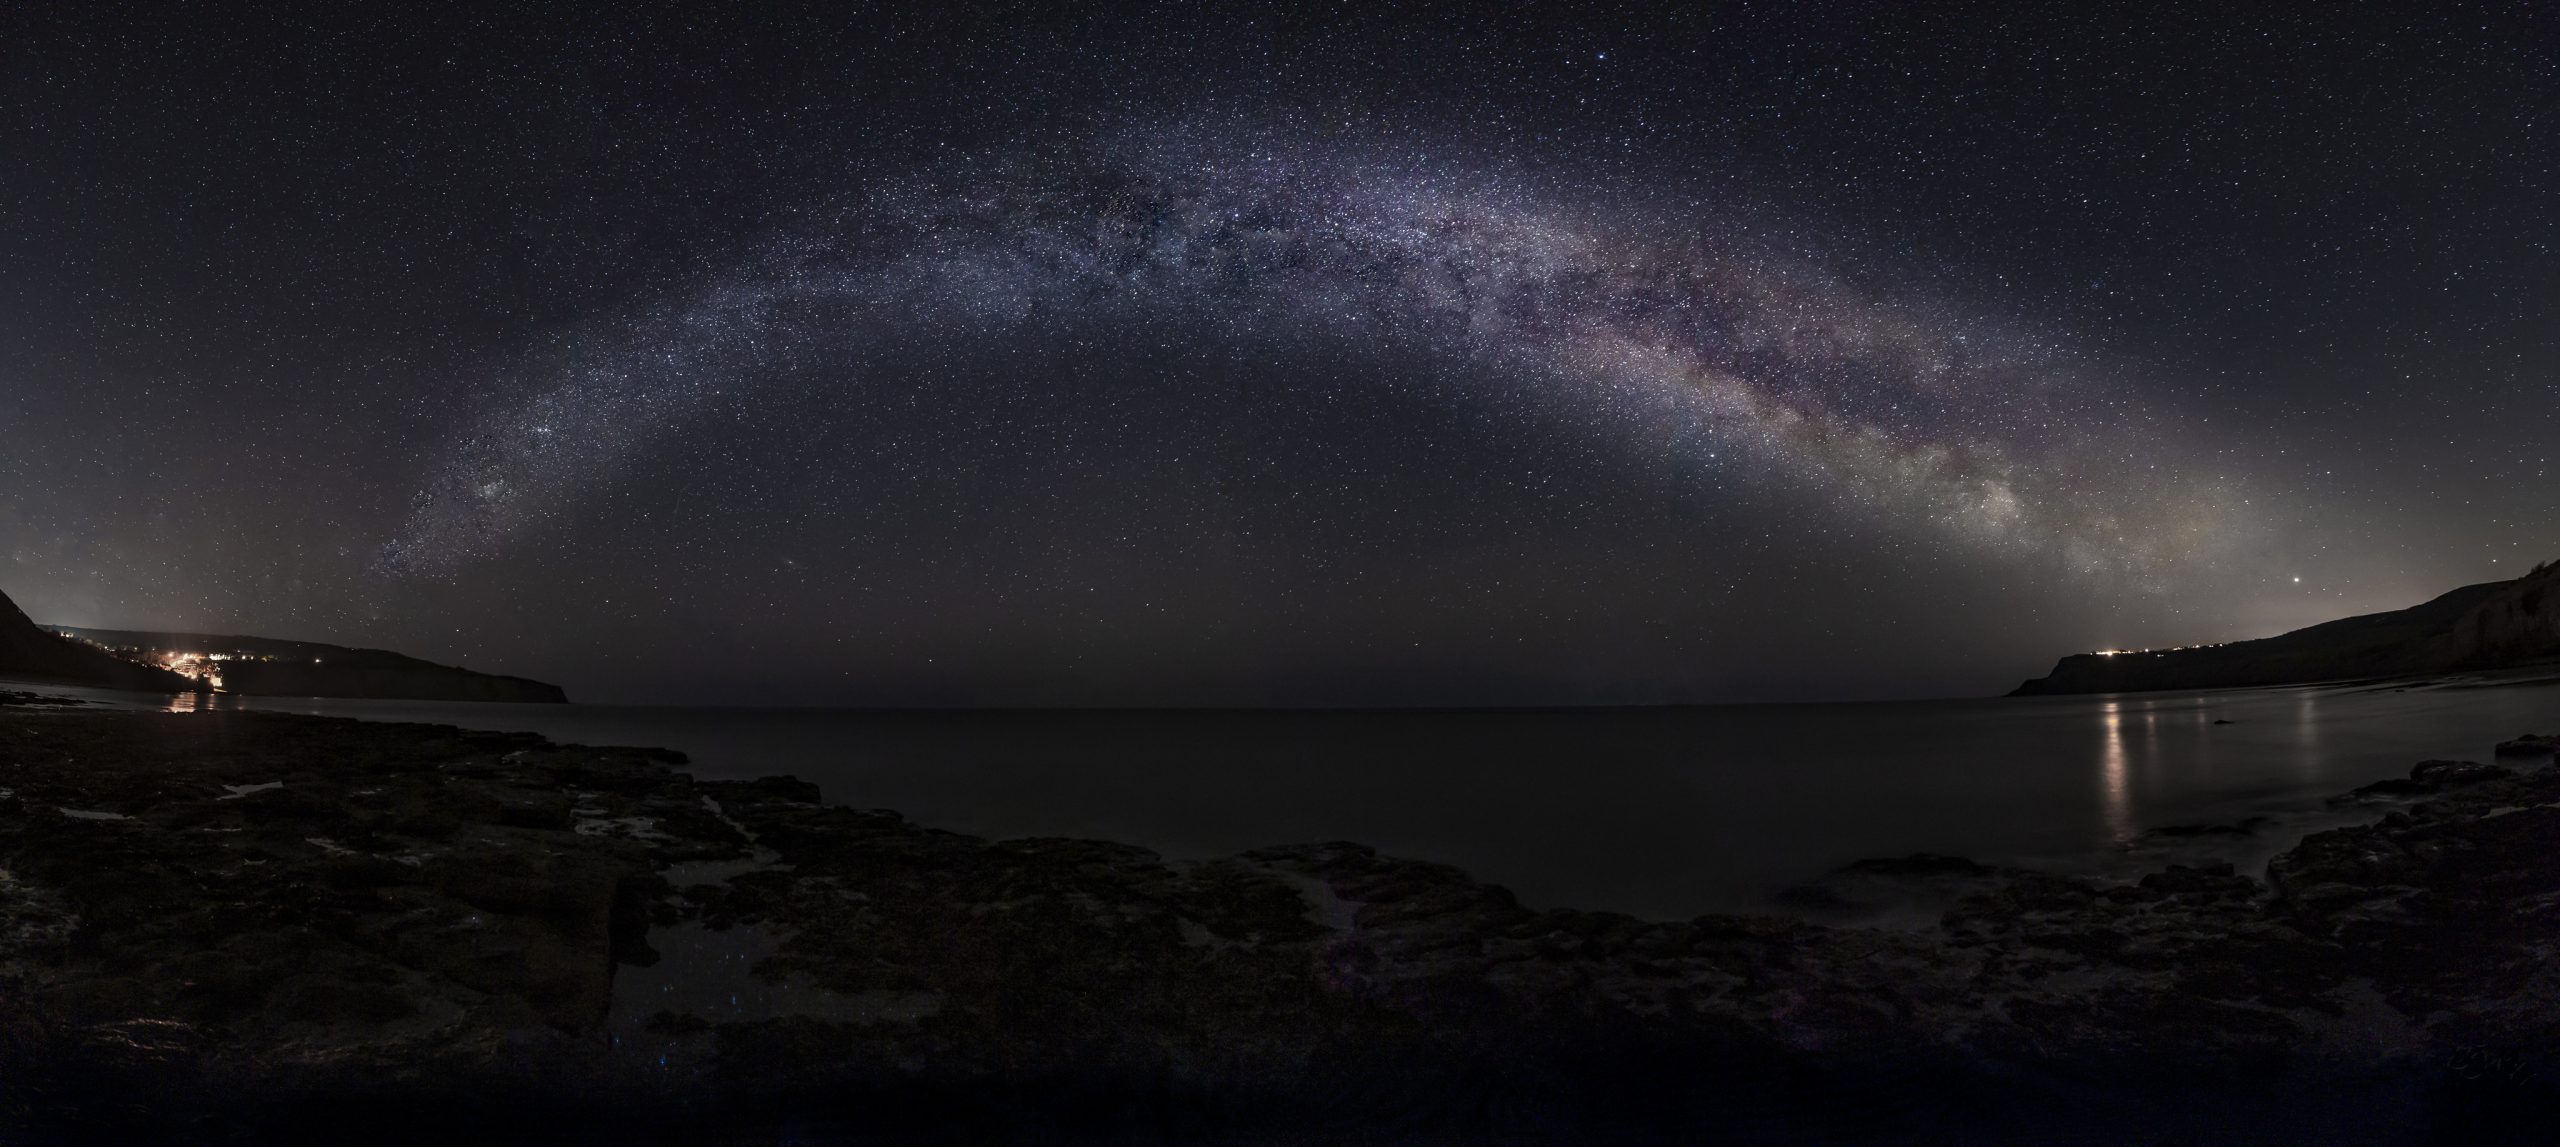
(234,925)
(1663,814)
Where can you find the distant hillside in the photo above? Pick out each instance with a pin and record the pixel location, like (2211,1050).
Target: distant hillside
(27,651)
(2487,626)
(263,666)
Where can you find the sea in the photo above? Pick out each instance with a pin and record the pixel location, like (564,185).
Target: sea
(1665,813)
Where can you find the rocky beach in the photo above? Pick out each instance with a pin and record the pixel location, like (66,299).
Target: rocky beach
(254,927)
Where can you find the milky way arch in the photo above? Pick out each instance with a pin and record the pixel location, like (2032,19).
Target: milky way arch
(1978,435)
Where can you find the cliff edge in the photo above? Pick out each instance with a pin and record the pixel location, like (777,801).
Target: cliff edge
(269,667)
(2493,625)
(26,651)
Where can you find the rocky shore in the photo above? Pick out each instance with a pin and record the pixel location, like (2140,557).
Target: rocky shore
(254,927)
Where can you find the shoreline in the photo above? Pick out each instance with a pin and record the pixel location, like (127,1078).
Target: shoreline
(253,917)
(1693,811)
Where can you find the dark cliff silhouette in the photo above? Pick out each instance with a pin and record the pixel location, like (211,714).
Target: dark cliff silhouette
(262,666)
(26,651)
(2493,625)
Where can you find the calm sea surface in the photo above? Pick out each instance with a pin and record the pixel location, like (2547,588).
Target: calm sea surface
(1660,812)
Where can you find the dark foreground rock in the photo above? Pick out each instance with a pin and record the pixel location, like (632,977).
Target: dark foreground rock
(2426,778)
(2529,745)
(252,927)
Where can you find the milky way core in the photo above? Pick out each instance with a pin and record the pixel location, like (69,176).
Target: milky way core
(1976,434)
(1389,354)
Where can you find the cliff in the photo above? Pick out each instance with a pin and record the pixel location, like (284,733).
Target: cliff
(2492,625)
(2517,625)
(262,666)
(26,651)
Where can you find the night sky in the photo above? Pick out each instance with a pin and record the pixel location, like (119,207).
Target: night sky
(1372,354)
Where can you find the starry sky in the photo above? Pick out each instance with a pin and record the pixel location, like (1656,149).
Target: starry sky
(1478,354)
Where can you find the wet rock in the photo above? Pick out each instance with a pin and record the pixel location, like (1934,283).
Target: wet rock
(303,892)
(2427,778)
(2210,880)
(2453,774)
(2397,788)
(2529,745)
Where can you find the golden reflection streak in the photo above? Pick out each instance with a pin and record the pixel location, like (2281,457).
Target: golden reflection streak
(2117,793)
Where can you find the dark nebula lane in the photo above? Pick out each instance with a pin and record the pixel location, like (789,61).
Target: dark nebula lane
(1981,436)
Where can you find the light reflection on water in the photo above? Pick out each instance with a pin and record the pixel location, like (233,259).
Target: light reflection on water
(1662,812)
(2306,731)
(2111,772)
